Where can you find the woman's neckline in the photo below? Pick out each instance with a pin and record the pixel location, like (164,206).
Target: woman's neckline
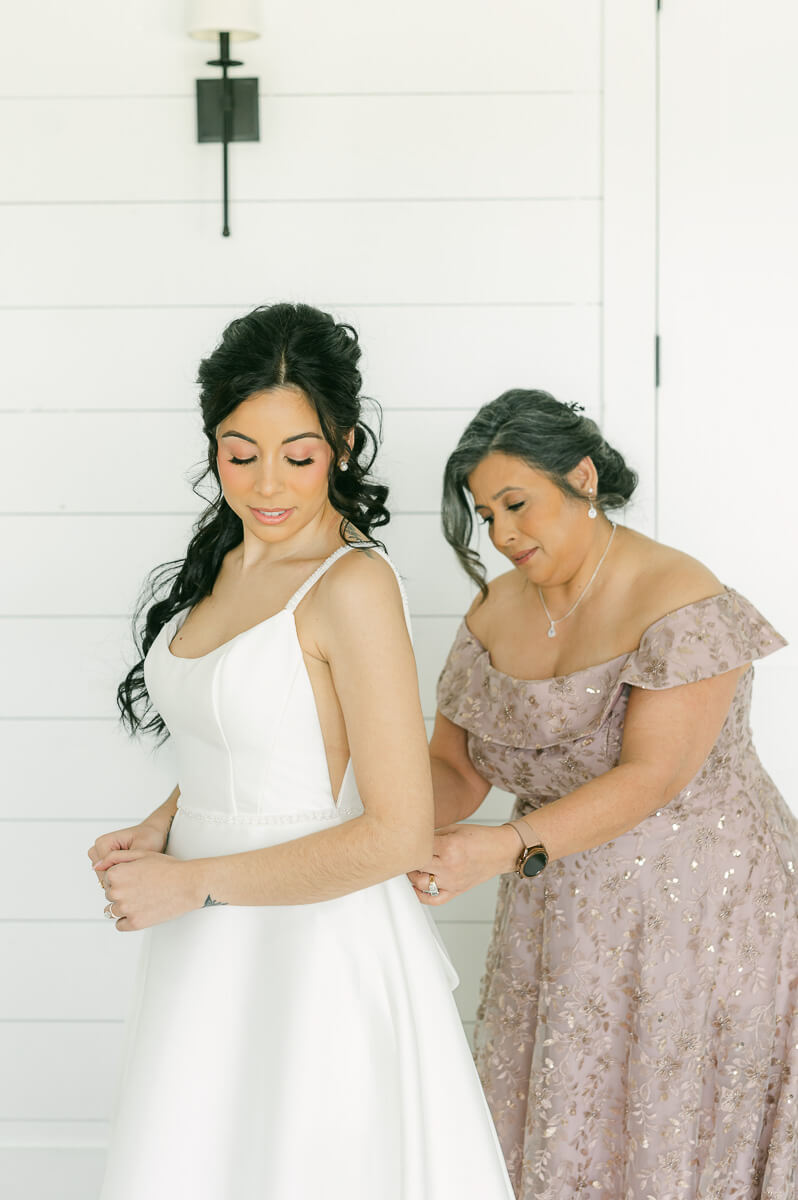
(222,645)
(606,662)
(289,608)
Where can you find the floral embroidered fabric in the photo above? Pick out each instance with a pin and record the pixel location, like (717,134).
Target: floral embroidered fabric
(637,1034)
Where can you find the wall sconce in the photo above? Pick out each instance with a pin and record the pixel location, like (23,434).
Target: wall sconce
(227,109)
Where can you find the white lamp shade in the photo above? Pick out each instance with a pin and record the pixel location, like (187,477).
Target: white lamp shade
(240,18)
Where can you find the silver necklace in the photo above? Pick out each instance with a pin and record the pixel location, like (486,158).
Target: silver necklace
(552,632)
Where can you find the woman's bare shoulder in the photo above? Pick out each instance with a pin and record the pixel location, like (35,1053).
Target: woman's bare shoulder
(483,611)
(362,577)
(664,579)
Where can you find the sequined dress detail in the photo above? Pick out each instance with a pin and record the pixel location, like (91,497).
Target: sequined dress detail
(637,1034)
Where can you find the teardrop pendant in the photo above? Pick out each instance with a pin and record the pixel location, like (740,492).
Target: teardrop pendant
(552,632)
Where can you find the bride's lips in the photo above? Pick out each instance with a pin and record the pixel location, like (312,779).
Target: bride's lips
(520,559)
(271,516)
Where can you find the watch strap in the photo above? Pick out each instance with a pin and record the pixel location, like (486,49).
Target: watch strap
(525,832)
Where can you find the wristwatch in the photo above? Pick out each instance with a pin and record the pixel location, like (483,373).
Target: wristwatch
(534,856)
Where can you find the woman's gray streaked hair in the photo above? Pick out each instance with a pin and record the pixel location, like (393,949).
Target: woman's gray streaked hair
(549,436)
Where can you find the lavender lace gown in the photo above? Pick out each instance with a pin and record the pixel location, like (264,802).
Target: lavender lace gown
(637,1035)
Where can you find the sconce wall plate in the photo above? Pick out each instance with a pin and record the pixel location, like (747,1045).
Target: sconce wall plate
(244,123)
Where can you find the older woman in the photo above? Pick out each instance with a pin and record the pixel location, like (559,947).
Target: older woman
(637,1033)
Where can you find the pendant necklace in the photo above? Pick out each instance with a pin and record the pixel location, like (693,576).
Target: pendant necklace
(552,632)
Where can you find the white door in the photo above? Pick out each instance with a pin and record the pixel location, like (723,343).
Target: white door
(727,424)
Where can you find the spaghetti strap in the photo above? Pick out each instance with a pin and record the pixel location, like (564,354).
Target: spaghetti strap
(303,590)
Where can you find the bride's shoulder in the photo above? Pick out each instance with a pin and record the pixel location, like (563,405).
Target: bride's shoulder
(360,581)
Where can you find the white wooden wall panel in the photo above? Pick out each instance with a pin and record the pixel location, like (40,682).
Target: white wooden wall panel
(110,48)
(311,147)
(60,1133)
(57,1069)
(431,173)
(147,358)
(87,953)
(773,720)
(407,251)
(36,1173)
(70,768)
(433,580)
(70,667)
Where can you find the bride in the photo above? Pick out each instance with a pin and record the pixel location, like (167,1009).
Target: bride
(292,1031)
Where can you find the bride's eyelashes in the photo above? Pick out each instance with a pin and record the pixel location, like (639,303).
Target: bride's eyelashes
(295,462)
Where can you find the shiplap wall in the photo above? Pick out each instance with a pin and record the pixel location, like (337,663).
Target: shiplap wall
(429,171)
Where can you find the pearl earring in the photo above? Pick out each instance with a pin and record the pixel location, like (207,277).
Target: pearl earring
(343,465)
(591,512)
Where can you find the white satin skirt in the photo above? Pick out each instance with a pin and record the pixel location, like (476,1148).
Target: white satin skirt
(306,1052)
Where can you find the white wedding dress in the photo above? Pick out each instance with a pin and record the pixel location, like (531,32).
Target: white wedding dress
(302,1052)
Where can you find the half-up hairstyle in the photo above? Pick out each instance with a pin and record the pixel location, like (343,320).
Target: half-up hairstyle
(549,436)
(280,345)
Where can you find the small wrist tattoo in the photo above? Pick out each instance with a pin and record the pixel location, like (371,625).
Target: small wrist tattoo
(209,902)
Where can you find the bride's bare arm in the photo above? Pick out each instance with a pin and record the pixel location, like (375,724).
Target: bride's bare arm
(459,788)
(150,834)
(363,637)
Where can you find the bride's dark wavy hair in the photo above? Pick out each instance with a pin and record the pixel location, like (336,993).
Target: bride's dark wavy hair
(272,346)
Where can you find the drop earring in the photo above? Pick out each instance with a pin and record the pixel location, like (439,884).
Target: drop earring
(591,512)
(343,465)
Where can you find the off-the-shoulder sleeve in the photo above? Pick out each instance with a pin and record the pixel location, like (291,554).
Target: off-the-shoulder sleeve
(706,638)
(455,678)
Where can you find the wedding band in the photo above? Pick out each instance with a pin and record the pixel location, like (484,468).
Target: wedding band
(433,889)
(109,912)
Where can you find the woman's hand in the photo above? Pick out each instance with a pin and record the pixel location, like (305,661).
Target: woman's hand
(137,837)
(464,856)
(147,888)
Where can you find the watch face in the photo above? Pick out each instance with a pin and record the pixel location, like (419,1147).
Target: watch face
(534,864)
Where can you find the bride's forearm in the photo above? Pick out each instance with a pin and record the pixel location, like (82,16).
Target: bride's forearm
(454,798)
(162,817)
(321,866)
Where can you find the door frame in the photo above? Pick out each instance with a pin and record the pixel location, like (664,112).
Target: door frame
(629,145)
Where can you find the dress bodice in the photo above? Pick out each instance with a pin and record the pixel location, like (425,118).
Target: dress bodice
(542,738)
(244,723)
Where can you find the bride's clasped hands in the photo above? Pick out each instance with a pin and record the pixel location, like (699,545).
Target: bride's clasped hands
(463,857)
(143,886)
